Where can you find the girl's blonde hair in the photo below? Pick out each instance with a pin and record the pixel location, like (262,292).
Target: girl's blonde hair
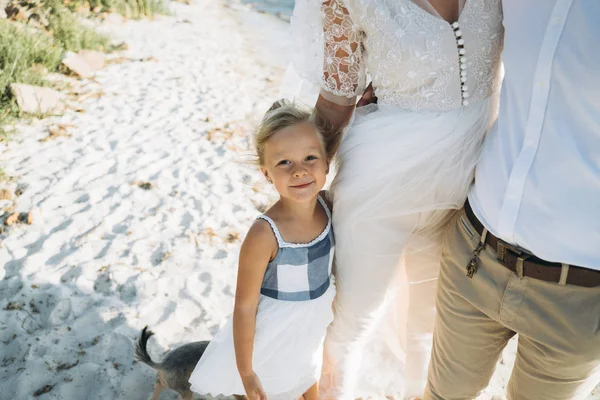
(281,115)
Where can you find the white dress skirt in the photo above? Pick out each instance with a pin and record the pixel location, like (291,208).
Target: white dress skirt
(401,176)
(288,350)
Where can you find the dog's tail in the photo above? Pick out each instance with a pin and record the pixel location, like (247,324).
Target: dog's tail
(140,349)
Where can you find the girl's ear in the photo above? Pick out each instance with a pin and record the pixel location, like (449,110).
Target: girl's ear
(266,174)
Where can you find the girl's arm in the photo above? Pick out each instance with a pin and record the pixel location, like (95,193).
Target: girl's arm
(258,248)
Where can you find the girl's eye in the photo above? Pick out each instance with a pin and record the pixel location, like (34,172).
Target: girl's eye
(311,158)
(284,162)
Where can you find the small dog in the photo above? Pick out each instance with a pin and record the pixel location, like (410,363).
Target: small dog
(175,369)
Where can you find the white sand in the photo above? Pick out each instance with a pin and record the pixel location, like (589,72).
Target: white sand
(104,257)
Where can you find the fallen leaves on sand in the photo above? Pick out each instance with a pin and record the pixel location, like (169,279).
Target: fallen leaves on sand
(44,389)
(120,46)
(33,307)
(19,217)
(65,366)
(90,95)
(78,109)
(120,60)
(210,233)
(5,178)
(6,361)
(56,131)
(226,131)
(233,237)
(143,184)
(14,217)
(166,256)
(13,306)
(5,194)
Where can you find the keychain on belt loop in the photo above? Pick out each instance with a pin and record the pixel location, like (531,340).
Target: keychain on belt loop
(472,266)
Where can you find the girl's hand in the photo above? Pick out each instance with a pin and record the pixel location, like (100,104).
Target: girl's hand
(253,387)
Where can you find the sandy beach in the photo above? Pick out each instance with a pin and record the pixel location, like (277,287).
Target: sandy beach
(139,211)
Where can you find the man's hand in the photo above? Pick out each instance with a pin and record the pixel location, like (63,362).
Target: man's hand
(368,97)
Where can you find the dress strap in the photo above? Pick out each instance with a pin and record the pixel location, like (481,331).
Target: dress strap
(280,241)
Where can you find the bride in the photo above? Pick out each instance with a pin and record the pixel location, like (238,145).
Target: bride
(404,165)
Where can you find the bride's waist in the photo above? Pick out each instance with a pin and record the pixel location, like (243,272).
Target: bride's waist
(426,106)
(433,95)
(476,111)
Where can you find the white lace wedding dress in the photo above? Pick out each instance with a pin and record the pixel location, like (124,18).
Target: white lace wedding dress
(404,165)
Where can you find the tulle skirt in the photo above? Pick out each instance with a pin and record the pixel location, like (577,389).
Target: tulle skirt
(288,350)
(401,174)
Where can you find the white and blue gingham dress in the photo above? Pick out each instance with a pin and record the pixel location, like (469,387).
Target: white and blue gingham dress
(293,314)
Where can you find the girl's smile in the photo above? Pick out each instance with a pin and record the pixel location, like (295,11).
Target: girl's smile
(302,186)
(295,162)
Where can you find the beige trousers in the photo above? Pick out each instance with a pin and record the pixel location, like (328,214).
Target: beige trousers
(558,356)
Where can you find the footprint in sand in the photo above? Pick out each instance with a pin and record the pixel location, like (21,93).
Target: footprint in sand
(206,278)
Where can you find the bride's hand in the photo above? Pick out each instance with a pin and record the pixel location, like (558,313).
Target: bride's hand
(368,97)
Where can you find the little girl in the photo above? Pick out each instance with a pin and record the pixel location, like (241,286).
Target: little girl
(284,287)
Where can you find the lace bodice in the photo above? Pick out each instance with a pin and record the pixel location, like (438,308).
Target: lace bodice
(413,57)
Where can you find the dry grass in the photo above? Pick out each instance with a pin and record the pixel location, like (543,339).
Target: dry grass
(27,52)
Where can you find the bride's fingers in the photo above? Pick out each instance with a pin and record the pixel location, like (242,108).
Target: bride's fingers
(367,97)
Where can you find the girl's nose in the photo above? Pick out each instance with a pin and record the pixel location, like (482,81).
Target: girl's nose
(300,172)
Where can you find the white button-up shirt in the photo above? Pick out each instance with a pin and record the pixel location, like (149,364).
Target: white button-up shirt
(538,182)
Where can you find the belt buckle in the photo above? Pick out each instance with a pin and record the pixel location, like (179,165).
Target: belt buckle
(521,254)
(502,246)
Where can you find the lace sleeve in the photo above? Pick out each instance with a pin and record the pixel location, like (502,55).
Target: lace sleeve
(343,69)
(327,54)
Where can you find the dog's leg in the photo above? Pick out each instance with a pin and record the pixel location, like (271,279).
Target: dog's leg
(157,389)
(188,395)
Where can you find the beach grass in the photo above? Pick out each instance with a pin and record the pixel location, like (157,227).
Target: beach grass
(25,55)
(28,53)
(128,8)
(69,33)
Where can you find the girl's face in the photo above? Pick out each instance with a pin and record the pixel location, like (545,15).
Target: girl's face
(295,162)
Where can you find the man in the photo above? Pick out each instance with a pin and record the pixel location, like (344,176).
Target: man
(524,255)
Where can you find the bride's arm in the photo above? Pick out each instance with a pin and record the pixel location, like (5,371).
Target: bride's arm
(343,70)
(338,117)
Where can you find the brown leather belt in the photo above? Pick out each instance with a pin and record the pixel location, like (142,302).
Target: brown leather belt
(532,266)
